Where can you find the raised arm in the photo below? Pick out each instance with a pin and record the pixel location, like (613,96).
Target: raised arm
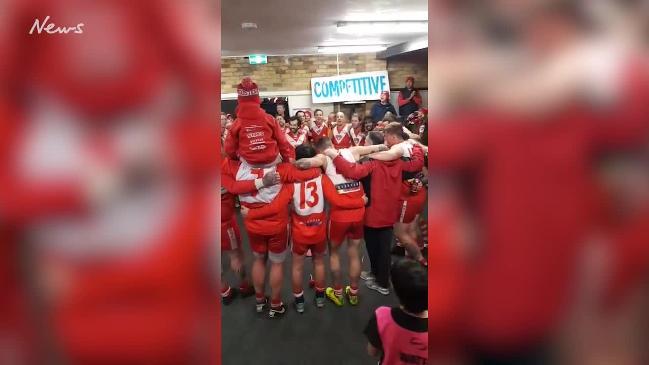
(360,151)
(318,160)
(394,153)
(348,169)
(290,174)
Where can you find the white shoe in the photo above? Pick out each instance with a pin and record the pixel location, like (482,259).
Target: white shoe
(367,276)
(374,286)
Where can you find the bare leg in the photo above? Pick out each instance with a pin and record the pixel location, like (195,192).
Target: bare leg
(297,272)
(354,262)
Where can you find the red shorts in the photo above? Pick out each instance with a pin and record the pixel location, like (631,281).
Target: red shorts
(412,205)
(273,245)
(338,231)
(300,248)
(230,236)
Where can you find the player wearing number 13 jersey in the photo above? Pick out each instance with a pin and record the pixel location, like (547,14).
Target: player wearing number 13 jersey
(268,234)
(345,222)
(308,224)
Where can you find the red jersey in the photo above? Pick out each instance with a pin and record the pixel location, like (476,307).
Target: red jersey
(316,133)
(357,136)
(308,220)
(256,137)
(241,175)
(295,139)
(341,191)
(340,137)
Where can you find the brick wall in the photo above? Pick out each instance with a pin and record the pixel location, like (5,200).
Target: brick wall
(295,72)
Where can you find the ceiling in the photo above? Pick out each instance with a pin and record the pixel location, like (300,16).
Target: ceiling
(289,27)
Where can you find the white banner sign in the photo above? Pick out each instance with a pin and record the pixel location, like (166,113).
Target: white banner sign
(351,87)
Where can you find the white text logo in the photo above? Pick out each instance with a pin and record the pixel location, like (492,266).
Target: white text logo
(51,28)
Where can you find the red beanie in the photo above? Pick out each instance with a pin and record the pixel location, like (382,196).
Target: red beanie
(247,91)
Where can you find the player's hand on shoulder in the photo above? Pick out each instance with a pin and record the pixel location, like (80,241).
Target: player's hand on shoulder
(271,178)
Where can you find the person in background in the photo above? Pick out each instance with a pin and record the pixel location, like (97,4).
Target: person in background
(331,120)
(399,335)
(383,106)
(281,110)
(409,98)
(368,126)
(230,118)
(340,133)
(224,122)
(319,128)
(282,122)
(295,135)
(356,131)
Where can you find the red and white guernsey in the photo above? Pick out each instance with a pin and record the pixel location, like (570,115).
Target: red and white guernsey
(262,196)
(350,188)
(317,133)
(341,138)
(296,139)
(357,136)
(308,217)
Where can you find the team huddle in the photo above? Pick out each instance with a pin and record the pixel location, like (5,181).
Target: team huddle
(317,186)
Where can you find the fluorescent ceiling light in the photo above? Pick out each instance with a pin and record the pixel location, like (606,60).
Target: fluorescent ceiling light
(351,49)
(383,27)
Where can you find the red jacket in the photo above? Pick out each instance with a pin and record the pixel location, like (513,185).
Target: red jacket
(385,194)
(256,137)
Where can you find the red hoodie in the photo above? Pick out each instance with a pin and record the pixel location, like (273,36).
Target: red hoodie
(385,183)
(256,137)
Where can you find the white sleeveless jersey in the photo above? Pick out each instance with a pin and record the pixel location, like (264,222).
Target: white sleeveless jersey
(406,148)
(264,194)
(342,184)
(308,197)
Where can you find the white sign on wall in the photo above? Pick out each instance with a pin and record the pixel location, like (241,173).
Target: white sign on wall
(351,87)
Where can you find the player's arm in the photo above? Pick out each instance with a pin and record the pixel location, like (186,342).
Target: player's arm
(231,144)
(348,169)
(360,151)
(374,345)
(271,209)
(290,174)
(395,152)
(244,186)
(340,201)
(318,160)
(416,163)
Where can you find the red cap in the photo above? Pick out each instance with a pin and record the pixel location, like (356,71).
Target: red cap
(247,91)
(410,78)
